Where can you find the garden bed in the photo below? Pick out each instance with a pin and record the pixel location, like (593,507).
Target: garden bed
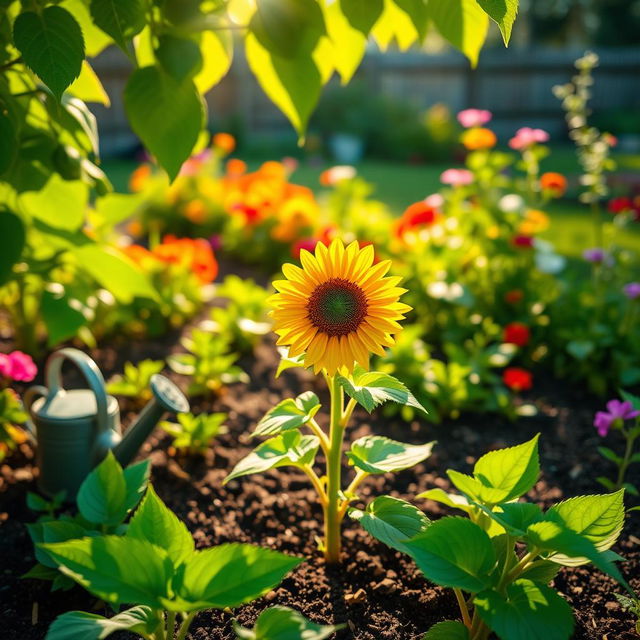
(378,592)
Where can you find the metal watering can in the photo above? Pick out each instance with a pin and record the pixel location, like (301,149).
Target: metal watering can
(75,429)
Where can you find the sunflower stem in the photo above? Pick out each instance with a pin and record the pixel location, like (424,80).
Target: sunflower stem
(332,517)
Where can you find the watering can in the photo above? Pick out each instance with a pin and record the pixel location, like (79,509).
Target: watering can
(76,428)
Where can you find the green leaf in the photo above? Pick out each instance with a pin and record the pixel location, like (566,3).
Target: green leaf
(454,552)
(167,115)
(8,142)
(450,499)
(502,475)
(362,14)
(529,612)
(51,45)
(598,518)
(179,57)
(116,273)
(288,414)
(503,13)
(102,495)
(88,88)
(136,478)
(292,84)
(230,575)
(378,454)
(633,399)
(447,630)
(282,623)
(95,40)
(288,28)
(541,571)
(118,569)
(121,19)
(53,531)
(391,520)
(61,319)
(516,517)
(157,524)
(12,241)
(373,388)
(605,452)
(79,625)
(418,11)
(117,207)
(216,49)
(288,363)
(60,203)
(289,448)
(463,23)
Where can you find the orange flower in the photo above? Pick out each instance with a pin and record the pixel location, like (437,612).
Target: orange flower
(225,142)
(135,228)
(236,167)
(478,138)
(534,222)
(204,264)
(138,254)
(195,211)
(196,255)
(554,183)
(295,216)
(140,178)
(419,214)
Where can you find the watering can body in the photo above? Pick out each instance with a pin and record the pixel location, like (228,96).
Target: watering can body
(76,428)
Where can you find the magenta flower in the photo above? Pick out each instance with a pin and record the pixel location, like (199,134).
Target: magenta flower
(632,290)
(474,117)
(5,365)
(617,413)
(23,368)
(216,242)
(456,177)
(526,137)
(595,255)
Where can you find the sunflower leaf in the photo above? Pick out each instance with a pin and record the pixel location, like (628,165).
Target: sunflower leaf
(373,388)
(288,414)
(377,454)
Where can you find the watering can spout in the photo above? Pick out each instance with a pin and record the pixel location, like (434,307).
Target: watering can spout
(167,398)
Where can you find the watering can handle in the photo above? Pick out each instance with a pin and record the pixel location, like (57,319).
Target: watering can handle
(91,373)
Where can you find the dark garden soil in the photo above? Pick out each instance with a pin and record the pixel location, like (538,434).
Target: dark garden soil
(377,592)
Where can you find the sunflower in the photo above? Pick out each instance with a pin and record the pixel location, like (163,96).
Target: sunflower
(338,308)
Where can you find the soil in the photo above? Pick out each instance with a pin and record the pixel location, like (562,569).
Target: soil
(377,592)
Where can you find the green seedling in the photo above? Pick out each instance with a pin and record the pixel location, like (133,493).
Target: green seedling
(136,381)
(193,434)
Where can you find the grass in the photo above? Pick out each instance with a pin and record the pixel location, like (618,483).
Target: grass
(398,185)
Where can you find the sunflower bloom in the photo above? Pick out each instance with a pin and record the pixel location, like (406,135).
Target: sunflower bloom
(338,308)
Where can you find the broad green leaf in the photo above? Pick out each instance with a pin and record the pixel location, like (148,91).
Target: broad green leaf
(610,455)
(418,12)
(102,495)
(79,625)
(454,552)
(450,499)
(95,40)
(391,520)
(447,630)
(282,623)
(463,23)
(231,574)
(41,572)
(598,518)
(12,241)
(60,203)
(288,414)
(216,49)
(157,524)
(179,57)
(394,24)
(289,448)
(88,88)
(503,13)
(121,19)
(61,319)
(288,28)
(8,142)
(516,517)
(51,45)
(293,84)
(362,14)
(118,569)
(53,531)
(287,362)
(115,272)
(541,571)
(167,115)
(349,42)
(529,611)
(114,208)
(373,388)
(378,454)
(136,478)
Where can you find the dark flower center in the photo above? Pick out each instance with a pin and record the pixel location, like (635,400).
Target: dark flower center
(337,307)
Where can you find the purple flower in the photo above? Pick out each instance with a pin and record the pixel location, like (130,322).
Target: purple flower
(216,242)
(632,290)
(595,255)
(617,413)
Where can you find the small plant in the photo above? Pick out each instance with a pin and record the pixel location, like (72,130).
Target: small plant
(209,363)
(622,416)
(155,567)
(193,434)
(632,605)
(332,314)
(280,623)
(136,381)
(105,499)
(501,559)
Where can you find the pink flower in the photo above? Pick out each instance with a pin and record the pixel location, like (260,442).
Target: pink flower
(5,365)
(23,368)
(456,177)
(617,413)
(632,290)
(474,117)
(435,200)
(527,137)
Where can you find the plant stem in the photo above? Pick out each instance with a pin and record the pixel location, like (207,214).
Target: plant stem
(184,627)
(355,483)
(320,434)
(464,610)
(171,624)
(622,470)
(331,513)
(317,484)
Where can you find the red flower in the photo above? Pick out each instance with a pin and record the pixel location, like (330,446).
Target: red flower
(514,296)
(419,214)
(522,242)
(618,205)
(517,333)
(517,379)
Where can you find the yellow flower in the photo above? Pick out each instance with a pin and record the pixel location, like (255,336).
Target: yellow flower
(478,138)
(534,222)
(338,308)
